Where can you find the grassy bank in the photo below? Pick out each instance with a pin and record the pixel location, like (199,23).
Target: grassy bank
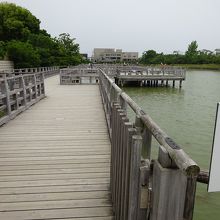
(200,66)
(2,114)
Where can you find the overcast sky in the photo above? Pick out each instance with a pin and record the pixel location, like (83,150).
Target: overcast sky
(131,25)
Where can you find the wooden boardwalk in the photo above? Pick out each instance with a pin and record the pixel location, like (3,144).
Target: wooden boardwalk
(55,158)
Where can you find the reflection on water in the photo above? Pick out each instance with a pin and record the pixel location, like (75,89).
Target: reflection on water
(188,116)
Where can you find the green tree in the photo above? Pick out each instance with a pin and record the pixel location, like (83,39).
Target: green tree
(68,50)
(148,56)
(192,49)
(23,54)
(2,49)
(16,23)
(68,44)
(192,53)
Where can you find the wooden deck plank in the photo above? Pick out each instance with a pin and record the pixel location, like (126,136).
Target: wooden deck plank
(91,218)
(55,161)
(55,158)
(56,196)
(47,171)
(72,166)
(54,189)
(52,182)
(58,176)
(57,213)
(55,204)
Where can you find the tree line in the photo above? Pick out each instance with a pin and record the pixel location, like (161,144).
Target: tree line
(22,41)
(191,56)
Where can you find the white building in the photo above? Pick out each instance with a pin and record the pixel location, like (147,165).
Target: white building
(110,55)
(206,51)
(178,52)
(217,51)
(6,65)
(129,56)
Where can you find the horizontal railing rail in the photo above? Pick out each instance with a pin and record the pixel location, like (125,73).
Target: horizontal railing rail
(47,71)
(36,70)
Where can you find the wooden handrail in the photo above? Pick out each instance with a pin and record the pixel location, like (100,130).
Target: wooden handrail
(203,177)
(182,160)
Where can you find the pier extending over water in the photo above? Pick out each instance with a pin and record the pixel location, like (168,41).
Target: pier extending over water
(147,76)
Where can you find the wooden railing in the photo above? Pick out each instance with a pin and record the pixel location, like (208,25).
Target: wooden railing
(79,75)
(21,88)
(143,188)
(17,93)
(119,70)
(47,71)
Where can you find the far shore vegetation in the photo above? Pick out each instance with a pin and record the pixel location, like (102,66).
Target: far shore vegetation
(200,66)
(190,66)
(192,59)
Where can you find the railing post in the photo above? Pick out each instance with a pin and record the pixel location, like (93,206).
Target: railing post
(35,86)
(42,87)
(146,135)
(7,93)
(24,91)
(170,185)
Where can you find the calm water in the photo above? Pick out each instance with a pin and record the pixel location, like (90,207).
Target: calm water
(188,116)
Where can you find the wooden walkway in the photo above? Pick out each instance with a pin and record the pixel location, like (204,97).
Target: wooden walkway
(55,158)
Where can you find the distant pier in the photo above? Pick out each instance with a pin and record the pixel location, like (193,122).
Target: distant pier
(150,77)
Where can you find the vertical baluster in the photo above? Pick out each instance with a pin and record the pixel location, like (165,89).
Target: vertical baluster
(114,157)
(133,201)
(144,182)
(123,120)
(127,125)
(190,198)
(129,133)
(121,114)
(113,151)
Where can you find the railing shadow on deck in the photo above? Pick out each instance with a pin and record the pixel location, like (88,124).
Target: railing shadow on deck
(161,189)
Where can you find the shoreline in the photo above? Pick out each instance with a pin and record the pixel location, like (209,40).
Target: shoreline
(193,66)
(199,66)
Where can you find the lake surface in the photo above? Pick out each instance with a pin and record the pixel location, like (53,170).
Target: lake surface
(188,116)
